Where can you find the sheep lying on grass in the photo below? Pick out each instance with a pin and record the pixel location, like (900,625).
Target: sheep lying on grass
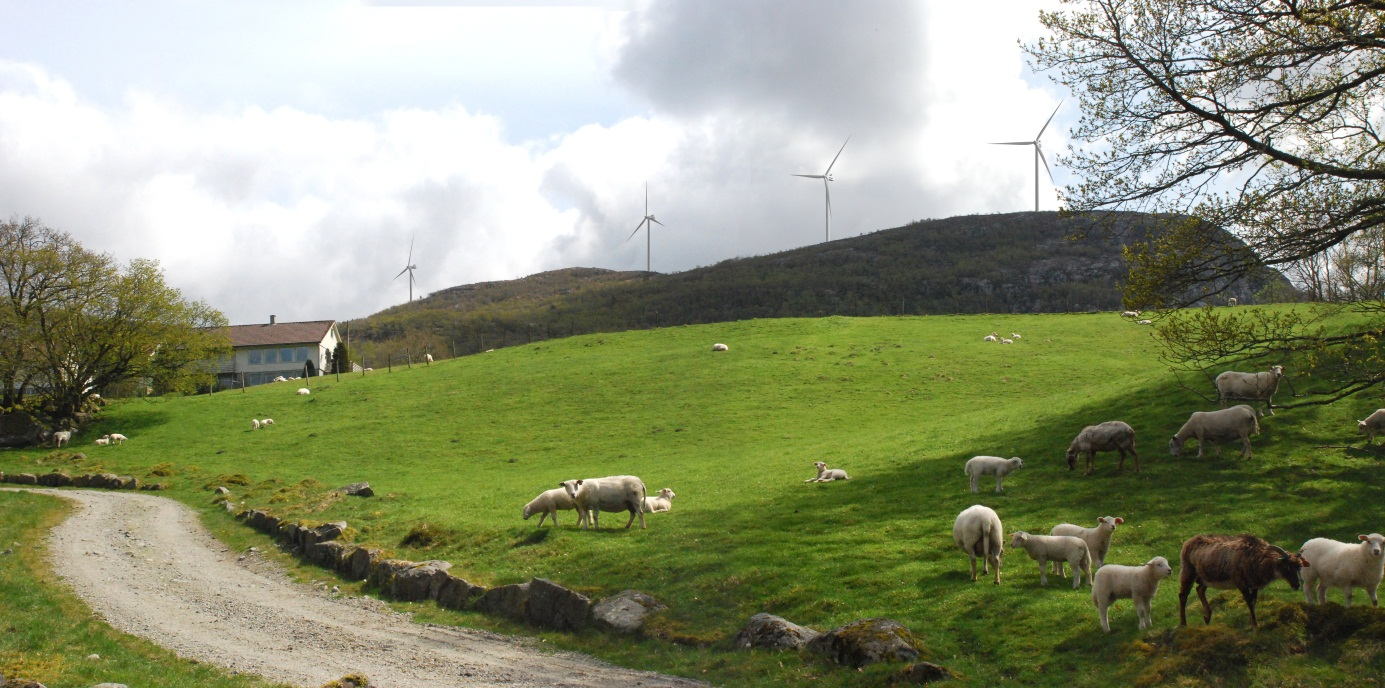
(827,475)
(1113,435)
(1136,583)
(990,338)
(1056,548)
(548,504)
(1250,386)
(304,390)
(720,347)
(978,466)
(1343,565)
(1237,422)
(103,441)
(1371,425)
(1098,539)
(1130,314)
(616,493)
(979,533)
(659,503)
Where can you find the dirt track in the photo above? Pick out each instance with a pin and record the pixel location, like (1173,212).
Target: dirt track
(147,566)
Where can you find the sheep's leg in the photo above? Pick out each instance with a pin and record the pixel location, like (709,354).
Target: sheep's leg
(1250,597)
(973,567)
(1043,571)
(1101,611)
(542,516)
(996,564)
(1370,590)
(998,480)
(1310,592)
(1206,608)
(975,482)
(1245,447)
(1322,591)
(1346,595)
(1142,610)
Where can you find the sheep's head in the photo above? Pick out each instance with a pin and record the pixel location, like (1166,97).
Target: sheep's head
(1175,447)
(1375,542)
(1289,567)
(820,465)
(1017,540)
(1109,522)
(527,512)
(1016,463)
(1072,457)
(571,486)
(667,493)
(1360,427)
(1277,370)
(1160,566)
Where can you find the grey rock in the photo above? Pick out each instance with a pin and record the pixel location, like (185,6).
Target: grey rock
(361,562)
(624,612)
(222,490)
(382,573)
(508,601)
(457,593)
(770,632)
(24,479)
(866,642)
(553,606)
(330,555)
(419,582)
(357,490)
(55,480)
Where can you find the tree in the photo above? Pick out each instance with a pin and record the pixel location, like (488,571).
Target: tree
(1260,118)
(82,323)
(341,358)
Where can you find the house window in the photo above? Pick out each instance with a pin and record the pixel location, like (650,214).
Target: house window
(269,355)
(300,354)
(286,355)
(253,356)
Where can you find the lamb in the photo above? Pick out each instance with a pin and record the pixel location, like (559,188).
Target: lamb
(254,424)
(120,439)
(1237,422)
(978,532)
(978,466)
(428,358)
(1250,386)
(1343,565)
(720,347)
(1113,435)
(62,437)
(827,475)
(281,378)
(659,503)
(548,503)
(617,493)
(1232,302)
(1231,562)
(989,338)
(266,422)
(1098,539)
(304,390)
(1056,548)
(1130,314)
(1015,335)
(1138,583)
(103,441)
(1372,424)
(1007,341)
(1144,322)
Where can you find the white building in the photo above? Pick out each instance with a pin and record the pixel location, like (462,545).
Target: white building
(264,352)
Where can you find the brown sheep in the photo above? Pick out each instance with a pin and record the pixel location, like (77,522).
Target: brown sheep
(1233,562)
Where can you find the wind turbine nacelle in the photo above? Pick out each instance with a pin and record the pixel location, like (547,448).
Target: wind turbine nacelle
(829,178)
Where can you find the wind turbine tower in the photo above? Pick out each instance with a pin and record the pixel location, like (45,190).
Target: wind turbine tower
(1038,155)
(409,268)
(827,177)
(647,224)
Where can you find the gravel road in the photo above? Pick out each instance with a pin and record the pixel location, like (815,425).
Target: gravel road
(147,566)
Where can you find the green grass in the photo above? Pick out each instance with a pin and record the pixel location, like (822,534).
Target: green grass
(900,403)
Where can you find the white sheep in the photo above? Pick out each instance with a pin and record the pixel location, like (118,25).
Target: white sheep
(1237,422)
(978,466)
(266,422)
(615,493)
(1144,322)
(118,438)
(62,437)
(1098,539)
(1343,565)
(428,358)
(1250,386)
(1372,424)
(1137,583)
(304,390)
(660,502)
(1007,341)
(281,378)
(254,424)
(720,347)
(548,504)
(827,475)
(989,338)
(103,441)
(1232,302)
(1015,335)
(1056,548)
(1130,314)
(1113,435)
(979,533)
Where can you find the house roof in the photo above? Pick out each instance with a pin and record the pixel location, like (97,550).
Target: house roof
(310,332)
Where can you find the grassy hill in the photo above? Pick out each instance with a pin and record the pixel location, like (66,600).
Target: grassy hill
(455,449)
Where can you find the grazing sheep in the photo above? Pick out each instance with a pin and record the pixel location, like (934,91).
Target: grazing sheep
(660,502)
(1113,435)
(989,338)
(1007,341)
(1144,322)
(1237,422)
(1250,386)
(267,422)
(428,358)
(1056,548)
(1130,314)
(1232,562)
(1343,565)
(1098,539)
(62,437)
(720,347)
(1138,583)
(1372,424)
(827,475)
(103,441)
(1232,302)
(978,466)
(304,390)
(117,438)
(979,533)
(548,504)
(254,424)
(616,493)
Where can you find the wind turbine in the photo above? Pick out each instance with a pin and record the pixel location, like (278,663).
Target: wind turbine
(827,177)
(647,227)
(409,268)
(1038,155)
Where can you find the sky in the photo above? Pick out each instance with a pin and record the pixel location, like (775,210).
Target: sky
(282,158)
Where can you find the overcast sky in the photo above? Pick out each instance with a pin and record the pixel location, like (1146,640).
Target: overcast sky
(280,157)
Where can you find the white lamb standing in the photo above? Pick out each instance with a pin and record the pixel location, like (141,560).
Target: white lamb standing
(978,466)
(1232,302)
(720,347)
(1371,425)
(1250,386)
(1237,422)
(254,424)
(1056,548)
(428,358)
(1343,565)
(659,503)
(118,438)
(548,504)
(827,475)
(979,533)
(1138,583)
(1098,539)
(304,390)
(615,493)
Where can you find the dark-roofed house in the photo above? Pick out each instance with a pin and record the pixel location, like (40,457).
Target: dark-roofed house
(264,352)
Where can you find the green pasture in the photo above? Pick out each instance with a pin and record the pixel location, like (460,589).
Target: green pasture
(454,450)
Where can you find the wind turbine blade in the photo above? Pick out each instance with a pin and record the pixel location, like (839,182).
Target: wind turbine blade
(657,222)
(638,227)
(838,155)
(1050,119)
(410,261)
(646,198)
(1012,143)
(828,191)
(400,273)
(810,176)
(1039,151)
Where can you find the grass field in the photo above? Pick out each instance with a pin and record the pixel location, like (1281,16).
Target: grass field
(454,450)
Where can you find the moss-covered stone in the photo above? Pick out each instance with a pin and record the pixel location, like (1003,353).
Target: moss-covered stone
(868,641)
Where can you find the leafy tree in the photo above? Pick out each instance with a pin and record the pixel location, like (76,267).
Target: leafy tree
(1261,118)
(341,358)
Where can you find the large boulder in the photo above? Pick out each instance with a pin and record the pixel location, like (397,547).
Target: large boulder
(362,561)
(770,632)
(508,601)
(382,573)
(24,479)
(330,555)
(125,482)
(553,606)
(624,612)
(357,490)
(55,479)
(262,521)
(866,642)
(419,582)
(457,593)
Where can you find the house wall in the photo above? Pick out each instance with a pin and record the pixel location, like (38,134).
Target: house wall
(258,365)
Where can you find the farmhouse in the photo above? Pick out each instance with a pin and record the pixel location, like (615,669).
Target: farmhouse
(264,352)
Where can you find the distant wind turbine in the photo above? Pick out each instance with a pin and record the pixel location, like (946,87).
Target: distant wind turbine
(409,268)
(1038,155)
(647,227)
(827,177)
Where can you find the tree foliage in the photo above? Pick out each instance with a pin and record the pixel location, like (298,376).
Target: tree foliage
(76,322)
(1261,118)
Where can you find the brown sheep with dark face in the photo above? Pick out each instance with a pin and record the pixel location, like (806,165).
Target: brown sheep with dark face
(1233,562)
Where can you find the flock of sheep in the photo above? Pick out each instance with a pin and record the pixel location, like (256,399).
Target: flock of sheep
(62,437)
(591,496)
(1245,562)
